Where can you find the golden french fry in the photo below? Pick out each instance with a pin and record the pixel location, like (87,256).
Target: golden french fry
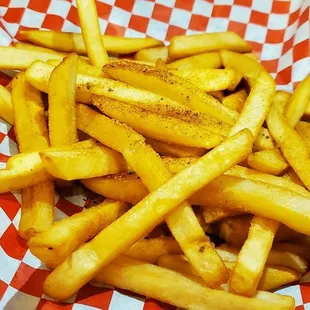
(184,46)
(256,106)
(252,56)
(166,84)
(235,101)
(31,47)
(211,60)
(303,129)
(292,145)
(212,214)
(57,242)
(6,108)
(298,102)
(90,27)
(164,128)
(268,161)
(280,100)
(264,141)
(73,42)
(236,81)
(67,278)
(252,257)
(61,103)
(152,54)
(293,177)
(207,79)
(154,281)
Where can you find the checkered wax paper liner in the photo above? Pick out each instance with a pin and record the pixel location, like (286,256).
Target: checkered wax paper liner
(279,34)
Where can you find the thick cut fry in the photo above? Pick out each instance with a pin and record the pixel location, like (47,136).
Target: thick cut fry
(37,212)
(303,129)
(166,84)
(61,103)
(268,161)
(67,278)
(252,257)
(184,46)
(210,60)
(154,281)
(73,42)
(152,54)
(256,106)
(292,145)
(298,103)
(212,215)
(88,16)
(207,79)
(163,128)
(235,101)
(263,141)
(6,108)
(62,238)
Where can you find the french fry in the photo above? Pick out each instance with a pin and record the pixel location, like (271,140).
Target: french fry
(235,101)
(154,281)
(280,100)
(6,108)
(268,161)
(152,54)
(31,47)
(138,221)
(293,177)
(298,102)
(166,84)
(54,244)
(184,46)
(215,214)
(93,41)
(61,103)
(73,42)
(207,79)
(211,60)
(236,82)
(256,106)
(298,249)
(252,257)
(164,128)
(37,211)
(292,145)
(218,95)
(252,56)
(303,129)
(263,141)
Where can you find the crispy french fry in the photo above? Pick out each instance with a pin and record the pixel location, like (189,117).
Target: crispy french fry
(184,46)
(164,128)
(303,129)
(212,214)
(73,42)
(252,257)
(37,212)
(292,145)
(144,216)
(88,16)
(211,60)
(268,161)
(154,281)
(54,244)
(235,101)
(166,84)
(256,106)
(152,54)
(207,79)
(263,141)
(298,102)
(6,108)
(61,103)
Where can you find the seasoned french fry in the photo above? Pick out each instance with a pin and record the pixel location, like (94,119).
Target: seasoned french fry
(303,129)
(298,103)
(54,244)
(154,281)
(252,257)
(6,108)
(263,141)
(268,161)
(184,46)
(73,42)
(152,54)
(292,145)
(256,106)
(61,99)
(211,60)
(144,216)
(164,128)
(235,101)
(166,84)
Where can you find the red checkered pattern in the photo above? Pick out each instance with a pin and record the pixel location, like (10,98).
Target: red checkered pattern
(279,32)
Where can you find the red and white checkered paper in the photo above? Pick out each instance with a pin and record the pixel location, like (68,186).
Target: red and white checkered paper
(279,33)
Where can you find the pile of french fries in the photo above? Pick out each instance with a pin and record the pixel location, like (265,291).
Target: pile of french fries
(192,136)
